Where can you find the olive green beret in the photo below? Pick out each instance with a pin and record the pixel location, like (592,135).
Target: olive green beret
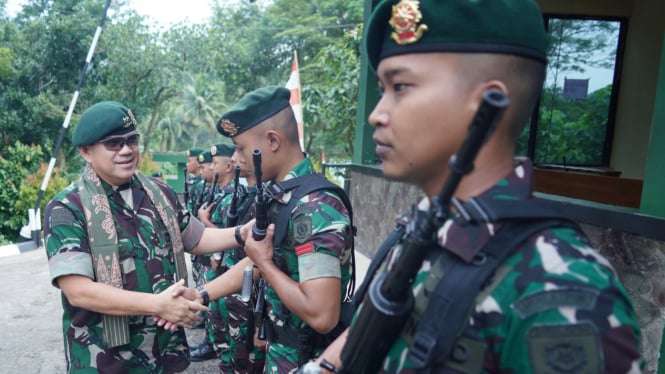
(194,152)
(512,27)
(101,120)
(222,150)
(204,158)
(254,108)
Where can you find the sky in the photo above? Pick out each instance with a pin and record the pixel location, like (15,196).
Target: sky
(165,12)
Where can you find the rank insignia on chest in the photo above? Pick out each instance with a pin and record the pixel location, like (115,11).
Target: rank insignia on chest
(404,20)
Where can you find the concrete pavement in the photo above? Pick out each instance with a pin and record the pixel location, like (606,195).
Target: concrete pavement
(31,313)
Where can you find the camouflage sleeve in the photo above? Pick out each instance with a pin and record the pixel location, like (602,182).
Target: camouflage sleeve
(321,231)
(561,309)
(66,246)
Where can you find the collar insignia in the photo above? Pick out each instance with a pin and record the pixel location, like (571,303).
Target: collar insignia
(129,120)
(230,127)
(405,18)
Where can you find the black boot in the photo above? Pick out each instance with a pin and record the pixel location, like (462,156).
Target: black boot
(203,351)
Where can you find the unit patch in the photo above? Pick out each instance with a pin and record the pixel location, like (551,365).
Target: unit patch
(565,349)
(302,229)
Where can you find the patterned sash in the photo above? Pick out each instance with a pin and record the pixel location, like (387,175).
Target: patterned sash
(103,240)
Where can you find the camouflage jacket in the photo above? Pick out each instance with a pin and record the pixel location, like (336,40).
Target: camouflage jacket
(319,226)
(529,322)
(147,263)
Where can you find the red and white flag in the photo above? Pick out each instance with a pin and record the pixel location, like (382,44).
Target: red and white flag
(294,85)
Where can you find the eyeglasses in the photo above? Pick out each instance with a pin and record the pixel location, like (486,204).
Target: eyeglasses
(116,144)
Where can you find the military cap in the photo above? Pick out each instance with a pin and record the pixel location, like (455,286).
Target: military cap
(204,158)
(254,108)
(222,150)
(156,174)
(194,152)
(512,27)
(101,120)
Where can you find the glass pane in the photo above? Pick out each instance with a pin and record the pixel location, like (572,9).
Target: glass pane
(575,103)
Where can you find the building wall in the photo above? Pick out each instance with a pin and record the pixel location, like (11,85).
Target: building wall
(639,261)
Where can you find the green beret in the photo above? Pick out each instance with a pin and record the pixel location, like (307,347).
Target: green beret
(204,158)
(194,152)
(254,108)
(222,150)
(101,120)
(156,174)
(512,27)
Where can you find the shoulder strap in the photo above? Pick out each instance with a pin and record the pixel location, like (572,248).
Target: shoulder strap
(377,260)
(449,304)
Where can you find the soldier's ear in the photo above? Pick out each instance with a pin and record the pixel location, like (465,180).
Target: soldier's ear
(274,140)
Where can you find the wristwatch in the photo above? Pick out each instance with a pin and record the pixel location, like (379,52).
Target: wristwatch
(204,295)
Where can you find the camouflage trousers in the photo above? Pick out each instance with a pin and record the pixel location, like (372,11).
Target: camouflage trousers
(239,358)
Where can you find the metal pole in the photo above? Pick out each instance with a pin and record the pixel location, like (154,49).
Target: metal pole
(34,214)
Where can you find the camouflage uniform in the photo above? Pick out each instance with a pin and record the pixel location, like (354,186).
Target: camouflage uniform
(232,310)
(319,224)
(214,324)
(148,266)
(555,260)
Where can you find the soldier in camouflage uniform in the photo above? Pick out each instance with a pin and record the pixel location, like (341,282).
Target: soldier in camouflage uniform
(193,176)
(556,305)
(308,276)
(114,241)
(223,165)
(238,358)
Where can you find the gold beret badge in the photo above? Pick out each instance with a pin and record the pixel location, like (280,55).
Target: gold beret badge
(129,119)
(230,127)
(404,20)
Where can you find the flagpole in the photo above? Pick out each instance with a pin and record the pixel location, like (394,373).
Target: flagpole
(293,84)
(34,214)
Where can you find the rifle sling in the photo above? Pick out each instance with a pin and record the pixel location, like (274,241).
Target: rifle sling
(449,305)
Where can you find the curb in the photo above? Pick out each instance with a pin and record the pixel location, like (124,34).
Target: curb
(17,249)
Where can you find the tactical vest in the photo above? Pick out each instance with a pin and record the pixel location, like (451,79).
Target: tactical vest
(307,340)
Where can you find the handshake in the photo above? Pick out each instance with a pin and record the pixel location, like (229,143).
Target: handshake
(179,305)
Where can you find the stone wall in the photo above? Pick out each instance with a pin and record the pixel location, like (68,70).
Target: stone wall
(639,261)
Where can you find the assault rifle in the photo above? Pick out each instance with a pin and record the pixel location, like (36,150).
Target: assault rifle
(390,298)
(232,215)
(231,221)
(261,206)
(213,190)
(186,189)
(199,200)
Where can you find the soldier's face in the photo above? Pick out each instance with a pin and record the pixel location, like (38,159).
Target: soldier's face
(421,118)
(222,165)
(115,167)
(206,171)
(192,165)
(245,169)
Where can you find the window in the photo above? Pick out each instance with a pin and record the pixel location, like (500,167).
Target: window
(574,121)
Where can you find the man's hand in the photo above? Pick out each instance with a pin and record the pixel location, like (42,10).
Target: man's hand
(204,214)
(178,306)
(260,252)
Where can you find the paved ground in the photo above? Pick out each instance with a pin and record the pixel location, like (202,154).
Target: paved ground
(30,315)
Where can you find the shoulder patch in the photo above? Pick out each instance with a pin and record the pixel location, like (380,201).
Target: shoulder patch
(565,349)
(61,216)
(579,298)
(302,229)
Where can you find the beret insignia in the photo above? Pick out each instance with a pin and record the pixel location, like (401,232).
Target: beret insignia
(230,127)
(129,119)
(201,158)
(213,150)
(404,20)
(189,153)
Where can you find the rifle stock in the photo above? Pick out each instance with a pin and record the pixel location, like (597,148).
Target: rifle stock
(390,298)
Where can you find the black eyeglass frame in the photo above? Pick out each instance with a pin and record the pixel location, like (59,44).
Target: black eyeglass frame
(117,143)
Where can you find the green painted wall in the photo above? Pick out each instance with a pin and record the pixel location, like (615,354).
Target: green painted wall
(653,199)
